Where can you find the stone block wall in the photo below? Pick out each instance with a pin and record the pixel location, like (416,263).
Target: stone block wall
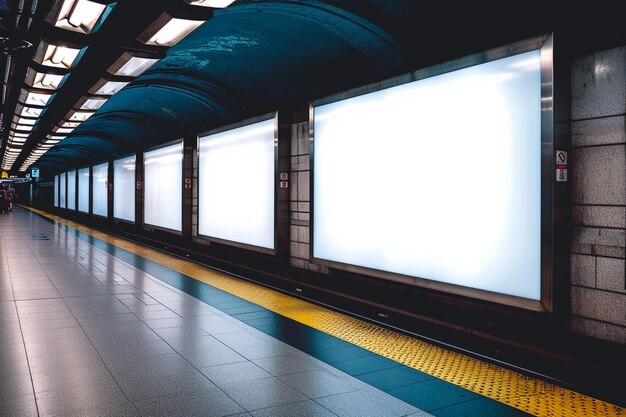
(598,172)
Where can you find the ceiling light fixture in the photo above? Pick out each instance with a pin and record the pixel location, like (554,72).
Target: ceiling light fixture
(42,80)
(57,55)
(107,87)
(131,65)
(168,30)
(215,4)
(34,98)
(83,16)
(90,103)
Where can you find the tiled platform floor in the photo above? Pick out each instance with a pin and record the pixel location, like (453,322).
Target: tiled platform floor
(85,334)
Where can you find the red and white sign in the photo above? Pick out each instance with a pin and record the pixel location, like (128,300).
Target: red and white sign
(561,166)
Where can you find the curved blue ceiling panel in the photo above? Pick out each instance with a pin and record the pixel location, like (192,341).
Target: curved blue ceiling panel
(256,57)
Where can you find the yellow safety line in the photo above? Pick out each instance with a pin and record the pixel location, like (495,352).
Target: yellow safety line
(528,394)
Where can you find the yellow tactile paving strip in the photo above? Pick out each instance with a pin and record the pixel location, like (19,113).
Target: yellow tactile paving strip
(530,395)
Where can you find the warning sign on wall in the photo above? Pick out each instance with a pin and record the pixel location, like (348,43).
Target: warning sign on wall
(561,166)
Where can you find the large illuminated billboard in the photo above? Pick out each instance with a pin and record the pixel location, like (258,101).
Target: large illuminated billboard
(62,194)
(124,188)
(236,185)
(163,187)
(71,189)
(100,190)
(83,190)
(438,182)
(56,191)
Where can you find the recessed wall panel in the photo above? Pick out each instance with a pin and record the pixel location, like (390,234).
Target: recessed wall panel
(124,188)
(100,190)
(71,189)
(83,190)
(236,182)
(163,189)
(437,179)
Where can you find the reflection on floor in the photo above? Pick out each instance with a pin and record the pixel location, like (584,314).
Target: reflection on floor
(83,333)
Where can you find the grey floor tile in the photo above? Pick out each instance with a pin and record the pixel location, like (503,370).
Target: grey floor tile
(292,363)
(205,351)
(184,332)
(366,403)
(322,383)
(22,406)
(15,386)
(262,393)
(210,403)
(301,409)
(234,372)
(120,410)
(78,398)
(95,375)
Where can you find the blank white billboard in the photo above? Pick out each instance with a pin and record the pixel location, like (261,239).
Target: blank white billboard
(436,179)
(163,187)
(71,189)
(100,191)
(124,188)
(62,196)
(56,191)
(83,190)
(236,181)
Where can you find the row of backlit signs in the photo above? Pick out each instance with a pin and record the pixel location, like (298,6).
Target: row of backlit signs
(436,180)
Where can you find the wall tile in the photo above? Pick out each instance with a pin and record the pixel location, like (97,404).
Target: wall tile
(598,175)
(599,305)
(599,84)
(607,130)
(599,330)
(610,272)
(583,270)
(599,216)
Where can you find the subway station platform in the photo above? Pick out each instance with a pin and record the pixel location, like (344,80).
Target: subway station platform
(94,325)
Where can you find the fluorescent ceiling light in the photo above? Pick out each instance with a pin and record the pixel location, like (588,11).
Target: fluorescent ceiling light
(91,103)
(79,15)
(56,56)
(42,80)
(78,116)
(131,66)
(25,121)
(57,137)
(29,111)
(17,140)
(20,135)
(108,88)
(167,30)
(63,130)
(26,128)
(70,124)
(36,99)
(216,4)
(52,142)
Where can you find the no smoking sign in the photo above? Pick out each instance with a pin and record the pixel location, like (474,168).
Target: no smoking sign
(561,166)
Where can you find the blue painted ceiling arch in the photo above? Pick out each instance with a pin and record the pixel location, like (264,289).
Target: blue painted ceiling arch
(258,56)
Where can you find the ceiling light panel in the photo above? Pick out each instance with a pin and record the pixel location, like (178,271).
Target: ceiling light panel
(70,124)
(131,66)
(25,111)
(216,4)
(25,121)
(108,88)
(79,15)
(36,99)
(42,80)
(168,31)
(57,56)
(94,104)
(78,116)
